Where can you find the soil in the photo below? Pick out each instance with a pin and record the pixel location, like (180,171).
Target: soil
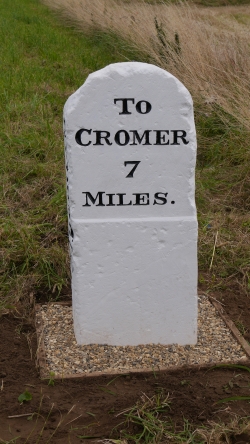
(73,408)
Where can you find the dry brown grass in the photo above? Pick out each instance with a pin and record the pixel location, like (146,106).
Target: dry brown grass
(148,422)
(208,50)
(217,433)
(212,57)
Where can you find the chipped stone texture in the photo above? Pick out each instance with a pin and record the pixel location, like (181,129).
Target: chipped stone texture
(64,357)
(134,266)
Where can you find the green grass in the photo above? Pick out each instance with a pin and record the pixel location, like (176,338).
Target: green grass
(42,63)
(148,422)
(223,202)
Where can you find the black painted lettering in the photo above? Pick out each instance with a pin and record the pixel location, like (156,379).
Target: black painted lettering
(132,162)
(143,107)
(78,136)
(111,203)
(160,198)
(102,135)
(124,105)
(121,201)
(160,138)
(141,198)
(93,199)
(177,136)
(139,138)
(118,138)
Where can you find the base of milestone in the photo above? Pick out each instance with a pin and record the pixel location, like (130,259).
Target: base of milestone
(219,342)
(135,281)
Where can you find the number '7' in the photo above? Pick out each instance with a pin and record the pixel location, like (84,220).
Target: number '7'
(132,162)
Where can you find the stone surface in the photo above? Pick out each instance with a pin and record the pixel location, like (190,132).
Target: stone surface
(130,159)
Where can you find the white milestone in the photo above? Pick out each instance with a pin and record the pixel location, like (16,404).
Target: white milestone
(130,145)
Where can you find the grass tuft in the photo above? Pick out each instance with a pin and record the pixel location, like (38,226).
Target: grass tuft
(43,62)
(148,423)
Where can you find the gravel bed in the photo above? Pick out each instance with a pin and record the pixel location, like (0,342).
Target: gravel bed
(64,357)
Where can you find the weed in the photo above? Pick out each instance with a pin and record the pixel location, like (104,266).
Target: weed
(233,366)
(25,397)
(185,382)
(116,377)
(146,415)
(91,414)
(51,378)
(241,327)
(110,392)
(154,373)
(231,384)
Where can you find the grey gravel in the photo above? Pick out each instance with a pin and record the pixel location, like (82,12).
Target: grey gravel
(64,357)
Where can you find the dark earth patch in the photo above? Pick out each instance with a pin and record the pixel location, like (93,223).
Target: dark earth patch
(237,306)
(89,407)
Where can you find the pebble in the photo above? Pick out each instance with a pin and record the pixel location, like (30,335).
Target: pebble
(64,357)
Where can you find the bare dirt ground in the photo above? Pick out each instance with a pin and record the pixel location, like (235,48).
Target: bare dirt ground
(75,408)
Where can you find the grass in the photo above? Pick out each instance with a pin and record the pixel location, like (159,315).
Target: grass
(148,422)
(43,62)
(208,51)
(146,416)
(45,59)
